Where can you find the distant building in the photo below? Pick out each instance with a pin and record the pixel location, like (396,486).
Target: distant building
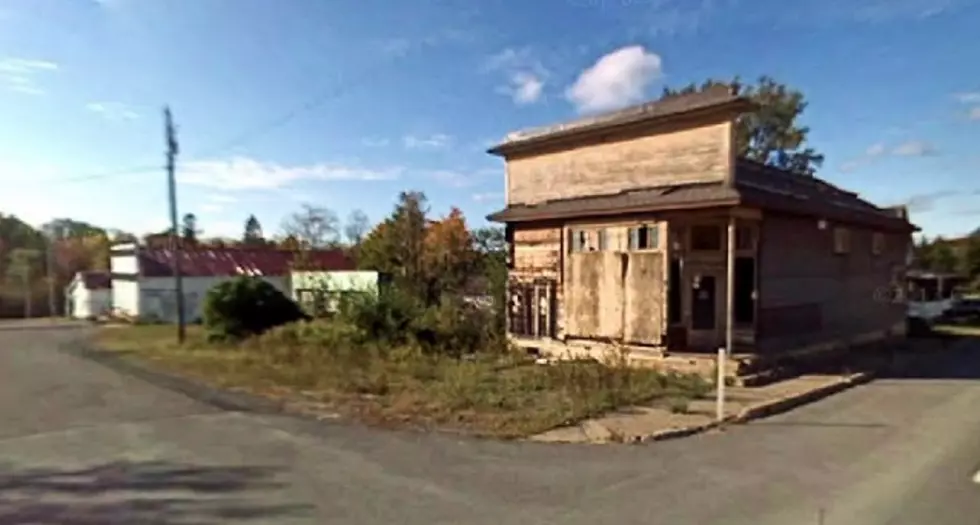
(143,278)
(88,295)
(319,292)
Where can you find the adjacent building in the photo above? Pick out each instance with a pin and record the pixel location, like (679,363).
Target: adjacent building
(88,295)
(143,278)
(643,229)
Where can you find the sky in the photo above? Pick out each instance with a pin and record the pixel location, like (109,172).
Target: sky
(345,103)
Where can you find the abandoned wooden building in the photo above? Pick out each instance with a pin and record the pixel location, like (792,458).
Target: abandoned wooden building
(643,229)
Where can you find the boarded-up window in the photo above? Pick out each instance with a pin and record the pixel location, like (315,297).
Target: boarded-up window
(645,237)
(877,243)
(842,240)
(706,238)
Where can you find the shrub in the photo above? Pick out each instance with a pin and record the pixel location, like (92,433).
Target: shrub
(386,316)
(246,306)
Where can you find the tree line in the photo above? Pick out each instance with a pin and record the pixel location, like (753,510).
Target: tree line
(32,258)
(959,256)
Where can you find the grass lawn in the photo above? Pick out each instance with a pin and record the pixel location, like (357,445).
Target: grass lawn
(958,330)
(502,395)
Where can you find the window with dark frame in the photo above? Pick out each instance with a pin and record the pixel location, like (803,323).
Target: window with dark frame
(579,241)
(744,238)
(842,240)
(601,239)
(877,243)
(645,237)
(705,238)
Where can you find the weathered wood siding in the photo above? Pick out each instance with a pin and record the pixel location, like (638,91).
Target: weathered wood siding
(537,251)
(811,295)
(646,298)
(537,255)
(699,152)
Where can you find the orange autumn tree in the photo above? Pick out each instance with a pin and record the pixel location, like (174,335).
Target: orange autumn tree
(426,258)
(449,256)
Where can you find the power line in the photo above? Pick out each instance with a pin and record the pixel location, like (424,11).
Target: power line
(285,118)
(237,140)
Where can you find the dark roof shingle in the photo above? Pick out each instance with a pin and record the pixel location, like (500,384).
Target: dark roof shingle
(756,184)
(95,280)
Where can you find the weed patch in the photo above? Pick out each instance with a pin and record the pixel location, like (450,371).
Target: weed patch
(340,367)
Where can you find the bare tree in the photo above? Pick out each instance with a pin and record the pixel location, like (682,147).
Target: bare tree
(313,226)
(357,227)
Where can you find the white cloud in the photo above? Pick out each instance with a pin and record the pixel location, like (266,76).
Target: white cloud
(617,79)
(20,74)
(914,148)
(524,88)
(876,150)
(968,97)
(437,140)
(224,199)
(374,143)
(974,113)
(488,196)
(241,173)
(217,202)
(911,148)
(458,178)
(526,75)
(113,111)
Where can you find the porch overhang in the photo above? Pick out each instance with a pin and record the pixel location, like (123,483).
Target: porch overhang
(666,198)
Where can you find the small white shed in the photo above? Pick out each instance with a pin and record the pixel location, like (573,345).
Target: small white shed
(88,295)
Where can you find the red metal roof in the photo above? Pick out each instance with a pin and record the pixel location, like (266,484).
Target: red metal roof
(225,262)
(93,280)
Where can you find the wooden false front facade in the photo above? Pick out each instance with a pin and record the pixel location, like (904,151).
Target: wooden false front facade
(653,282)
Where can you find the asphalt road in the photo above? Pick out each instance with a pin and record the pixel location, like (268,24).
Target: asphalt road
(83,444)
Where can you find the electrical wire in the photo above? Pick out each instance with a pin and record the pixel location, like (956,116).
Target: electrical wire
(324,96)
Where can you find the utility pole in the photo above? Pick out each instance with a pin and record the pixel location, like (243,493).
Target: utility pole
(172,150)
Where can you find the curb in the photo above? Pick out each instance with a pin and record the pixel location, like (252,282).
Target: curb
(225,400)
(785,404)
(759,411)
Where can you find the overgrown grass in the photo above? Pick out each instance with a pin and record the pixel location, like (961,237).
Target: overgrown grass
(958,330)
(491,393)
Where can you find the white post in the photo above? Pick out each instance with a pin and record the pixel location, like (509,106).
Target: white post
(720,385)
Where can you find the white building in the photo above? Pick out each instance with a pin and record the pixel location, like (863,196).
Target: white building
(143,284)
(88,295)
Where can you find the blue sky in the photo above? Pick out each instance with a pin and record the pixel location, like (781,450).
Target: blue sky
(344,103)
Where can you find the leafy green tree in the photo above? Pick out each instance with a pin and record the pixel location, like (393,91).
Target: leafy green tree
(943,258)
(971,258)
(253,232)
(772,134)
(396,245)
(188,229)
(22,270)
(923,253)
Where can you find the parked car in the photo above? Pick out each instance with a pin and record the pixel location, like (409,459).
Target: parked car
(963,310)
